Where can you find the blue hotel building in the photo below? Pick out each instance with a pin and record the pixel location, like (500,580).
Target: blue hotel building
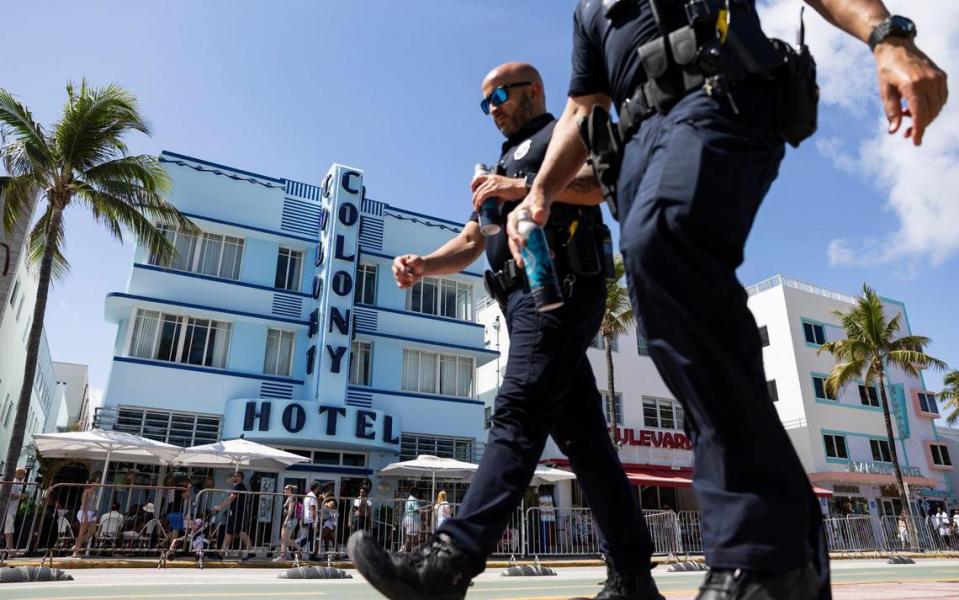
(279,321)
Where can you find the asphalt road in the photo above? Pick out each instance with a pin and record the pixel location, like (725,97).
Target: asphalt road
(873,580)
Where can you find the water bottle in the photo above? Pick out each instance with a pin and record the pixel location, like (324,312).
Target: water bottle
(543,283)
(489,210)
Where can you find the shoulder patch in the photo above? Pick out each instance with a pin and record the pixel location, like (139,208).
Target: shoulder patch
(522,150)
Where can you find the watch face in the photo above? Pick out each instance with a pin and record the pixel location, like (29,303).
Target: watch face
(903,25)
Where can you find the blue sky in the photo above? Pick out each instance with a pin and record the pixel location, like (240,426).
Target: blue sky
(286,88)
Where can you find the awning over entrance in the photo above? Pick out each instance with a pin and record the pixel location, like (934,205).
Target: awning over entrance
(659,477)
(681,479)
(870,479)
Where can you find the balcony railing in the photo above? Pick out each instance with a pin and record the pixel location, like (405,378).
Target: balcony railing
(780,280)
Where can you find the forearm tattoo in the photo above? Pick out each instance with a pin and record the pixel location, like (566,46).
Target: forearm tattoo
(583,184)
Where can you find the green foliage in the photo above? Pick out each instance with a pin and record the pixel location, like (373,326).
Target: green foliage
(871,345)
(618,317)
(950,396)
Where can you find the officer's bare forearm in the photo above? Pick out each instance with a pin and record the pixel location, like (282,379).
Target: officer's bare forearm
(856,17)
(456,254)
(566,153)
(583,190)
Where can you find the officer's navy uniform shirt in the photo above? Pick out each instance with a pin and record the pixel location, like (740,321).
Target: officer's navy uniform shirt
(523,153)
(604,52)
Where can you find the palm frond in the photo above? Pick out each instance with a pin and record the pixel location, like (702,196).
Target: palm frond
(93,121)
(910,360)
(17,119)
(116,212)
(950,395)
(19,195)
(37,245)
(618,317)
(842,374)
(142,170)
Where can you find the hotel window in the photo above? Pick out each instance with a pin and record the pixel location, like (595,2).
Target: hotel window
(361,360)
(880,450)
(764,336)
(835,446)
(600,342)
(434,373)
(815,334)
(279,352)
(414,444)
(288,265)
(940,455)
(662,413)
(366,284)
(819,385)
(927,403)
(175,338)
(641,348)
(441,297)
(773,391)
(619,407)
(869,396)
(16,288)
(20,306)
(206,253)
(178,428)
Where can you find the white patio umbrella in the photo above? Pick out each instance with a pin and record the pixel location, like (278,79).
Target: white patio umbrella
(238,453)
(100,444)
(546,475)
(427,464)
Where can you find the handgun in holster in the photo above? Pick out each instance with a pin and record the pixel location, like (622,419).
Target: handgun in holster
(601,137)
(500,283)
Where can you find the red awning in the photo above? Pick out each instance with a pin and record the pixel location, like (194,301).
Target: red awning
(659,477)
(681,479)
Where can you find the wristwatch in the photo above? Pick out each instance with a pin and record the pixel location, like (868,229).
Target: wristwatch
(529,177)
(892,26)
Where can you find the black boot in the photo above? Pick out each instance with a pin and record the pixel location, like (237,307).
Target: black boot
(635,584)
(438,571)
(738,584)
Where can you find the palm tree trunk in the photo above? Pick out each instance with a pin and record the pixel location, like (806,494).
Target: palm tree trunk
(610,389)
(33,347)
(900,482)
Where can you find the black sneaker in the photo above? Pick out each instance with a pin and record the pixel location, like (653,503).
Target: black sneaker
(248,557)
(438,571)
(628,585)
(738,584)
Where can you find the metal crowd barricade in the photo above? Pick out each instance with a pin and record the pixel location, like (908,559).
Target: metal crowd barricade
(95,519)
(17,517)
(665,533)
(920,534)
(559,532)
(690,532)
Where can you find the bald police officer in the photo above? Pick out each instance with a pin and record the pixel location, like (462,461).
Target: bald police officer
(699,155)
(548,388)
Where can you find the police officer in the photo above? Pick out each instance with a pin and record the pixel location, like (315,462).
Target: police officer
(697,161)
(548,388)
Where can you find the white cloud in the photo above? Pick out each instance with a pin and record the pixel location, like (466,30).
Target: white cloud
(920,184)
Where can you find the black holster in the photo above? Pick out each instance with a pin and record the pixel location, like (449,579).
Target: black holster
(797,93)
(601,138)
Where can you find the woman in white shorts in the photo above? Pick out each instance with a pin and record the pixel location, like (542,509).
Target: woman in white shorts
(86,515)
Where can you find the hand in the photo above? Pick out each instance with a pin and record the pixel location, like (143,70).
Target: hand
(408,269)
(538,208)
(905,72)
(498,186)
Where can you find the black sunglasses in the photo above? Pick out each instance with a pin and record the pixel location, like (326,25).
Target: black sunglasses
(500,95)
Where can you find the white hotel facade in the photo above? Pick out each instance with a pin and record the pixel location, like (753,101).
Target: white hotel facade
(840,441)
(280,322)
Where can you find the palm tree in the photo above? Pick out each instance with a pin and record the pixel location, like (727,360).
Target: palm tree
(870,347)
(617,320)
(950,396)
(81,160)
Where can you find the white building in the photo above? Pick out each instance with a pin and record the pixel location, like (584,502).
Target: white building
(48,404)
(280,322)
(75,377)
(841,442)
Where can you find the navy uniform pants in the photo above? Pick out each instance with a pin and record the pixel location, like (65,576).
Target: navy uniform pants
(549,389)
(691,183)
